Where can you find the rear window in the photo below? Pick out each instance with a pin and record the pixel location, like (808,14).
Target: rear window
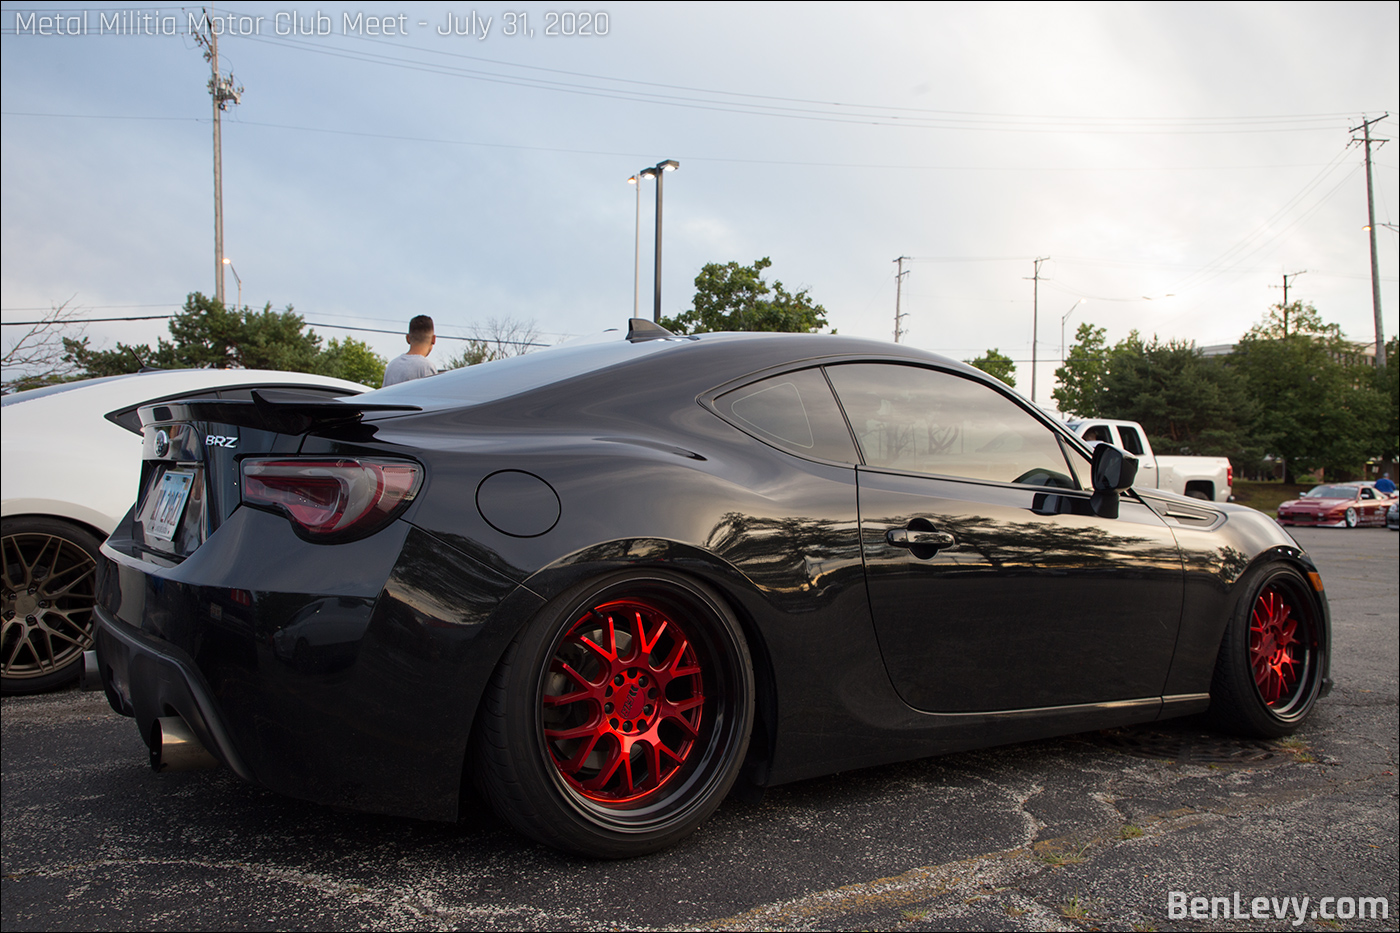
(487,382)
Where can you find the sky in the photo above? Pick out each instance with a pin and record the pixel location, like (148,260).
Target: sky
(1171,163)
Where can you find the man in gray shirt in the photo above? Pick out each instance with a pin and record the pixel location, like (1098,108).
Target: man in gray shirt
(415,363)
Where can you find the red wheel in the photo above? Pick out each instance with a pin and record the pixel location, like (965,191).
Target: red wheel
(619,718)
(1277,653)
(623,703)
(1272,658)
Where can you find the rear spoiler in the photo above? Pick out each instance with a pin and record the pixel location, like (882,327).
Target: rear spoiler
(270,410)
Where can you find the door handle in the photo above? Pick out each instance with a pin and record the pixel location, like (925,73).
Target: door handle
(918,539)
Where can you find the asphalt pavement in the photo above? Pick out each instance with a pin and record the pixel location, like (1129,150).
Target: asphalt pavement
(1132,829)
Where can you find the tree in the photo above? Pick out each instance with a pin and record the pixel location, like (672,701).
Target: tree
(995,364)
(1186,403)
(1294,318)
(206,333)
(35,358)
(352,359)
(1387,385)
(497,339)
(1321,403)
(1080,391)
(731,297)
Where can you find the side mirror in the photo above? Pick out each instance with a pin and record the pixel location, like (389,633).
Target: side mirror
(1113,470)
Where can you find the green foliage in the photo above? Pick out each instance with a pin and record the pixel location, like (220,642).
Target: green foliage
(1386,382)
(1309,398)
(1317,406)
(1293,319)
(995,364)
(1186,403)
(205,333)
(1081,377)
(731,297)
(352,359)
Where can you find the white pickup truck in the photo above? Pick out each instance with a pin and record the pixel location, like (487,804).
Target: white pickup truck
(1210,478)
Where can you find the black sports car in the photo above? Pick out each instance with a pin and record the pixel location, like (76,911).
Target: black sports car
(609,580)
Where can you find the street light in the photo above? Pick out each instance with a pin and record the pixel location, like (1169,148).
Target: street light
(636,182)
(658,171)
(229,262)
(1062,328)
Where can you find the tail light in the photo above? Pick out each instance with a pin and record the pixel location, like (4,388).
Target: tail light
(332,498)
(1230,475)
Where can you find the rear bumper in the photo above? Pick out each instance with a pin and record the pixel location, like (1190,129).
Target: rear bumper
(346,675)
(167,681)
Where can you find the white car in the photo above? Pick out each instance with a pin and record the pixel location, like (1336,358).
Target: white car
(72,464)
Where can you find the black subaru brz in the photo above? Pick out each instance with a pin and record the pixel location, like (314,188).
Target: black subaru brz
(608,581)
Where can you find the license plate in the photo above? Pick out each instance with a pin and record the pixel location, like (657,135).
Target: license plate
(165,516)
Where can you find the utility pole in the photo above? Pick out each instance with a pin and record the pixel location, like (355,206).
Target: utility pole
(1286,277)
(222,90)
(1366,139)
(1035,321)
(898,287)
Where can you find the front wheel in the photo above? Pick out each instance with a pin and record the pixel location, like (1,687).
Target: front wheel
(1269,671)
(1351,518)
(619,717)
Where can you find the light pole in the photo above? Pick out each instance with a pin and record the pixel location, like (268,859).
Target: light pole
(636,182)
(1062,328)
(229,262)
(658,171)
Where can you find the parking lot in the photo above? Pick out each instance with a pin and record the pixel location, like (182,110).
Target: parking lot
(1114,830)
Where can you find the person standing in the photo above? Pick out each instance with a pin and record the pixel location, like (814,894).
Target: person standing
(1385,485)
(415,363)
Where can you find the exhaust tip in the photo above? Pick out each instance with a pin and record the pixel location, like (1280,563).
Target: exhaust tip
(91,675)
(174,747)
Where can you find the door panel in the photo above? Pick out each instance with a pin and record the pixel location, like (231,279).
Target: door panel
(1024,609)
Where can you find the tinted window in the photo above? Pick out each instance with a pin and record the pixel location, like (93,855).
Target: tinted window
(922,420)
(794,411)
(1132,441)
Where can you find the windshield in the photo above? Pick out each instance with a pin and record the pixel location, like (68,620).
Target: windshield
(1331,492)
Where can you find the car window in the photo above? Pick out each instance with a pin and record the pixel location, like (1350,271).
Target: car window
(1100,433)
(926,421)
(794,411)
(1132,440)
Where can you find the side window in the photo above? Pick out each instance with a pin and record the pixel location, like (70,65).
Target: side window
(794,411)
(1099,432)
(1132,440)
(925,421)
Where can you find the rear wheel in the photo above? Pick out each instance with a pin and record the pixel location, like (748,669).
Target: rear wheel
(50,590)
(619,717)
(1269,670)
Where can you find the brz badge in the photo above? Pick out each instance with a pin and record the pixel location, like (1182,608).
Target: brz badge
(220,440)
(162,443)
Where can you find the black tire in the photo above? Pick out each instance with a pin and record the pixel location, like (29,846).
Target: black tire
(616,746)
(50,589)
(1197,494)
(1269,671)
(1351,519)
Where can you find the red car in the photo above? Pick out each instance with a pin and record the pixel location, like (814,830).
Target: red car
(1338,505)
